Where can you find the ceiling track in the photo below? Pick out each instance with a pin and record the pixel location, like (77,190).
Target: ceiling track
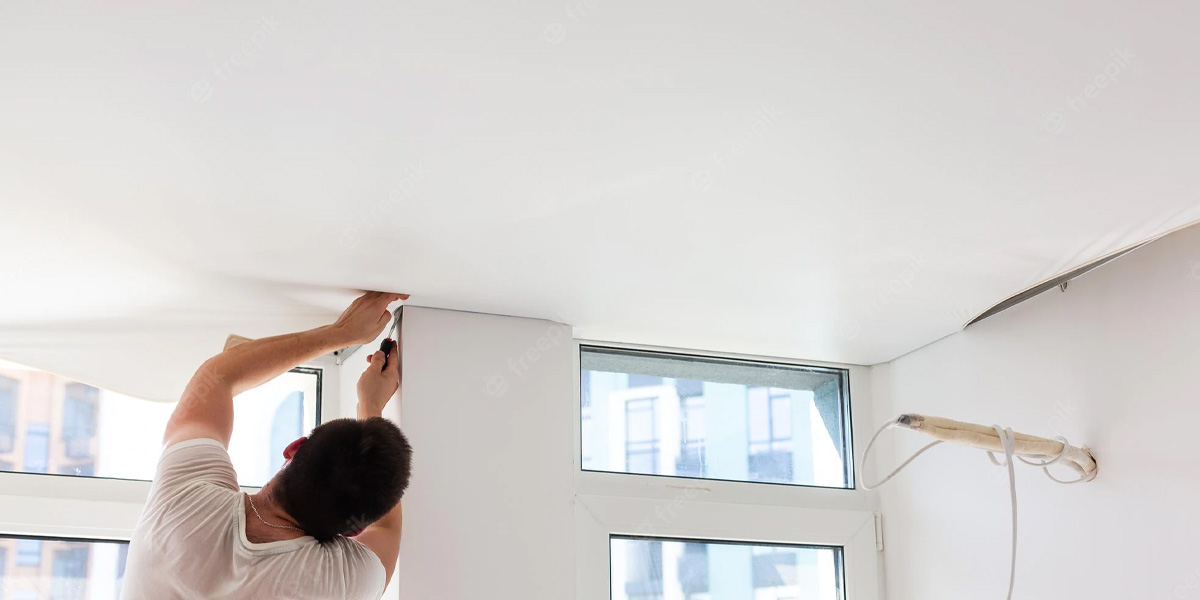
(1059,281)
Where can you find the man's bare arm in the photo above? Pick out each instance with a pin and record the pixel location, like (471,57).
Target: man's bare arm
(375,388)
(206,409)
(383,538)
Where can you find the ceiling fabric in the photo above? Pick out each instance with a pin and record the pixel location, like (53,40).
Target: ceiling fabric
(831,183)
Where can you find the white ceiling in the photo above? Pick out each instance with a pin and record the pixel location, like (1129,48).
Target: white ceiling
(826,182)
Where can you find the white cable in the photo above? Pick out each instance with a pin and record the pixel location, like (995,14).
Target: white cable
(886,426)
(1008,442)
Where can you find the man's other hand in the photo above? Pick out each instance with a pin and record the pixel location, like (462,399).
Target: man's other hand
(377,385)
(366,317)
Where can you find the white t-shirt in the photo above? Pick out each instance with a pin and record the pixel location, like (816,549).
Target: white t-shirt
(190,543)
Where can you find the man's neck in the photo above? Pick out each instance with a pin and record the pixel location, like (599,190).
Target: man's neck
(267,510)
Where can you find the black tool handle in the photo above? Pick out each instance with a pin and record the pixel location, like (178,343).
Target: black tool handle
(386,349)
(388,343)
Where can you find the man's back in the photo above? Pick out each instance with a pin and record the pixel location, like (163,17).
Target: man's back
(190,542)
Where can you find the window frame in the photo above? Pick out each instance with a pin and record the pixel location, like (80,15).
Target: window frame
(611,503)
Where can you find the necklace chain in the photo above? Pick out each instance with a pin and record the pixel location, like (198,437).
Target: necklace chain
(264,521)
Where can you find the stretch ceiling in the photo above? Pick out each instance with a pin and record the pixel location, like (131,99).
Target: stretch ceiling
(832,182)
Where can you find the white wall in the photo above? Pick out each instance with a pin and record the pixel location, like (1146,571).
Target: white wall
(1111,363)
(488,407)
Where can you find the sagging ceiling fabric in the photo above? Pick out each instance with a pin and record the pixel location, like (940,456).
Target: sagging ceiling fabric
(827,183)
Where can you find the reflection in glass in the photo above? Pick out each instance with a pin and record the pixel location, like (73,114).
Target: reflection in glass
(60,569)
(50,424)
(686,416)
(653,569)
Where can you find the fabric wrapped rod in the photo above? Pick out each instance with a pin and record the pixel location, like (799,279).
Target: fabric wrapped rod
(985,438)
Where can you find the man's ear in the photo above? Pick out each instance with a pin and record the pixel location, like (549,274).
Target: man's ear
(290,451)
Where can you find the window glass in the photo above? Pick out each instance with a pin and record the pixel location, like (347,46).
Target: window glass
(67,570)
(657,413)
(50,424)
(654,569)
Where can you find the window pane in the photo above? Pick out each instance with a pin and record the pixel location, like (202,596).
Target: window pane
(72,569)
(50,424)
(714,418)
(652,569)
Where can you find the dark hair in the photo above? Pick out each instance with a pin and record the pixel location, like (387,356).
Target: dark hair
(348,474)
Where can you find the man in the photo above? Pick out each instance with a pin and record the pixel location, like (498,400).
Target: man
(199,536)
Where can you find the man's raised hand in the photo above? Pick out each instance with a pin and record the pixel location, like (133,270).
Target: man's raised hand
(377,385)
(366,317)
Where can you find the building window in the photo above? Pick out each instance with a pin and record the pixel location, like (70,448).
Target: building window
(80,403)
(704,569)
(691,450)
(716,418)
(8,413)
(641,436)
(37,448)
(29,553)
(70,574)
(769,431)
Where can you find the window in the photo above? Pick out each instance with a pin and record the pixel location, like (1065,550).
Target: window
(691,451)
(29,553)
(37,448)
(768,509)
(8,414)
(654,569)
(716,418)
(76,567)
(79,419)
(62,530)
(70,573)
(74,429)
(641,436)
(769,430)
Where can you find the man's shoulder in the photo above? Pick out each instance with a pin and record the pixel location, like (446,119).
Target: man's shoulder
(371,574)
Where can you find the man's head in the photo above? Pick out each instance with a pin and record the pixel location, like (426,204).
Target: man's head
(345,476)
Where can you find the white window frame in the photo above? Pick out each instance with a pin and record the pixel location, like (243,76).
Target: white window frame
(608,504)
(104,509)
